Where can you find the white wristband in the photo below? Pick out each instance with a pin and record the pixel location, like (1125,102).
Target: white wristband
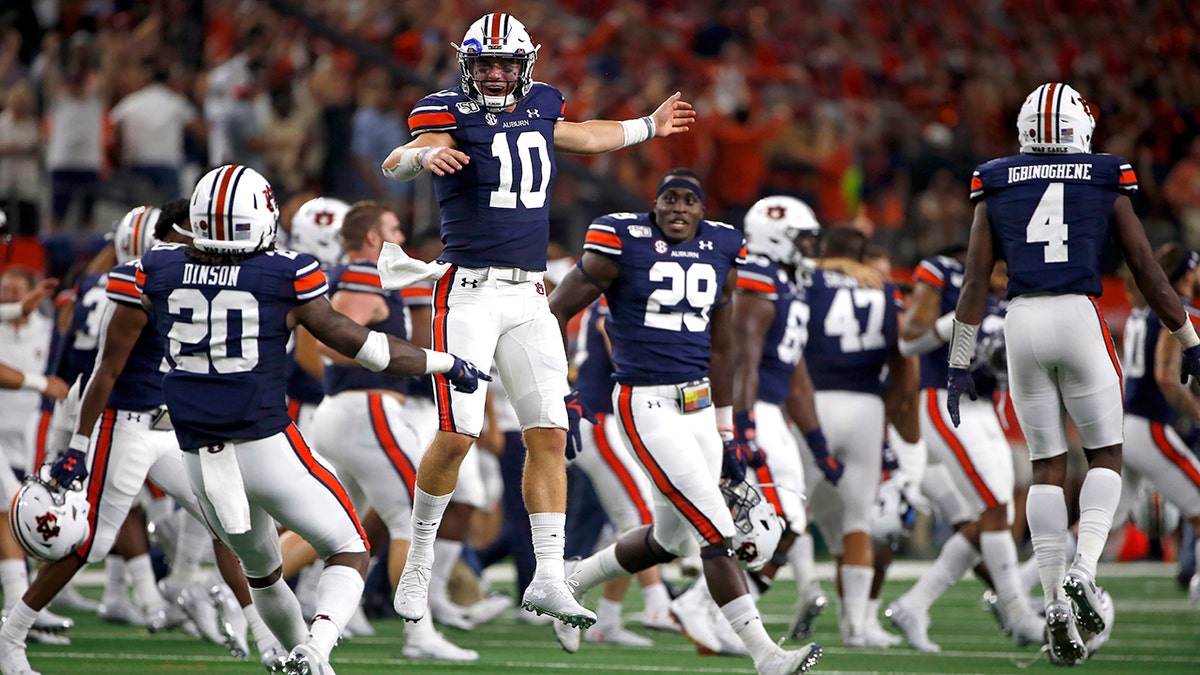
(79,442)
(375,354)
(639,130)
(438,362)
(35,382)
(944,326)
(724,417)
(10,311)
(1186,334)
(962,344)
(409,166)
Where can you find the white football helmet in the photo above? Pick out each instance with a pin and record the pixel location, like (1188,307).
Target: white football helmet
(1055,120)
(773,225)
(893,515)
(49,524)
(134,233)
(497,35)
(317,229)
(758,528)
(233,210)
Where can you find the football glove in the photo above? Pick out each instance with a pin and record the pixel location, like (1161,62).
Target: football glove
(733,463)
(464,376)
(891,461)
(70,470)
(745,433)
(576,411)
(959,382)
(1190,365)
(827,463)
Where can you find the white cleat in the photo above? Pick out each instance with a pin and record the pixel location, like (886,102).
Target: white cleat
(1066,645)
(695,622)
(359,624)
(490,608)
(1082,589)
(13,660)
(41,637)
(70,599)
(616,635)
(877,636)
(1094,641)
(120,611)
(731,644)
(306,660)
(568,636)
(52,623)
(914,624)
(787,662)
(557,598)
(447,613)
(531,619)
(435,647)
(274,658)
(1028,629)
(412,591)
(196,604)
(1194,590)
(659,619)
(231,621)
(809,606)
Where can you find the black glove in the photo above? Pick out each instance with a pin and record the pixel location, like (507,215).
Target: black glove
(464,376)
(1190,365)
(827,463)
(733,463)
(891,462)
(959,382)
(745,433)
(70,470)
(576,410)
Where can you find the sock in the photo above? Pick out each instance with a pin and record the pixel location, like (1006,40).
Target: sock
(14,580)
(114,582)
(1000,554)
(263,639)
(801,559)
(445,553)
(1046,512)
(743,616)
(145,589)
(280,610)
(20,620)
(856,590)
(872,612)
(1098,498)
(608,612)
(338,595)
(426,518)
(952,563)
(549,538)
(598,568)
(656,599)
(194,542)
(306,587)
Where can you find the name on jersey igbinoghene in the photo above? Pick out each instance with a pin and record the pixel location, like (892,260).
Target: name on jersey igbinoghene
(1017,174)
(216,275)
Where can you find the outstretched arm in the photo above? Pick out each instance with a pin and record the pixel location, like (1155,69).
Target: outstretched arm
(338,331)
(434,150)
(597,136)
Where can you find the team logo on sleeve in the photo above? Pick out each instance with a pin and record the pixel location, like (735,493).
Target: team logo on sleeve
(660,246)
(640,232)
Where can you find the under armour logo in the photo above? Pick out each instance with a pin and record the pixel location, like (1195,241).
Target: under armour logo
(133,417)
(706,246)
(532,112)
(540,288)
(472,283)
(47,526)
(654,404)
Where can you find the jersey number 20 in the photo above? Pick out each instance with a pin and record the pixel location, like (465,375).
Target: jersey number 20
(212,319)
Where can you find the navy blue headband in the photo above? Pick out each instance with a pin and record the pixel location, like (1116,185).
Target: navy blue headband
(681,183)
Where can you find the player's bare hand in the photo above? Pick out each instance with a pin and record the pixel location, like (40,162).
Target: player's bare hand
(865,275)
(673,116)
(40,292)
(56,388)
(444,161)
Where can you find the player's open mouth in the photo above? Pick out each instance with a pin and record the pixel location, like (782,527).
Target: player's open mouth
(496,88)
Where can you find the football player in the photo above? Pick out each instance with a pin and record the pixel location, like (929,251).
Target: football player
(669,277)
(490,143)
(1050,211)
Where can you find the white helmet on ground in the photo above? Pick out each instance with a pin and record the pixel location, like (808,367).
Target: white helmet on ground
(233,210)
(758,528)
(133,234)
(48,523)
(1055,120)
(317,229)
(499,36)
(774,224)
(893,515)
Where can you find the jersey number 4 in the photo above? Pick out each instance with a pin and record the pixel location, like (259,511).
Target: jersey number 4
(531,147)
(1046,225)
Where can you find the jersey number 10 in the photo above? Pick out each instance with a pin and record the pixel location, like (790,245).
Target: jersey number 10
(528,144)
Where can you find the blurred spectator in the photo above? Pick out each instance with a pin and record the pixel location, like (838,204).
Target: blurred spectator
(24,345)
(941,215)
(1182,191)
(20,160)
(376,128)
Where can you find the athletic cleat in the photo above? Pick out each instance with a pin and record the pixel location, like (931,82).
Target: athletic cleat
(616,635)
(1094,641)
(531,619)
(41,637)
(450,614)
(1083,591)
(198,607)
(557,598)
(157,619)
(1029,629)
(914,624)
(877,636)
(567,636)
(120,611)
(1194,590)
(695,621)
(13,660)
(70,599)
(1066,645)
(659,620)
(274,659)
(52,623)
(809,606)
(435,647)
(730,643)
(306,660)
(785,662)
(231,621)
(490,608)
(412,591)
(991,602)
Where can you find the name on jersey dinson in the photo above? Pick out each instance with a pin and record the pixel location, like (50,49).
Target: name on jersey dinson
(214,275)
(1049,172)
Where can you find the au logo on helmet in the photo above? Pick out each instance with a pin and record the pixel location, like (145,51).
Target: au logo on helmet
(47,526)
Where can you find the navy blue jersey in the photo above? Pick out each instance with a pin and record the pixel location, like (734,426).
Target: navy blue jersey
(79,352)
(945,274)
(1142,395)
(593,365)
(496,209)
(1051,217)
(301,387)
(851,332)
(660,304)
(139,386)
(363,277)
(784,342)
(227,334)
